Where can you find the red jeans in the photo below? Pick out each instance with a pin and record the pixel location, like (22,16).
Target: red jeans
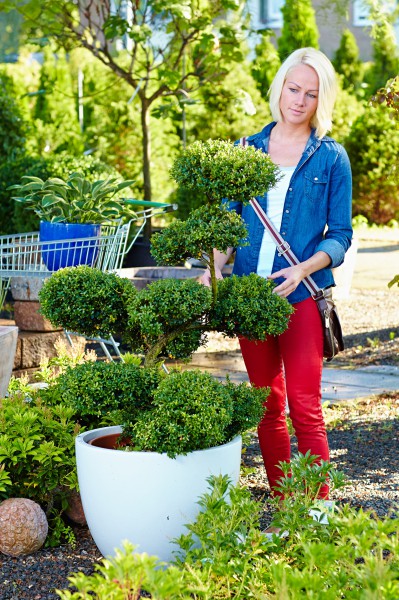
(291,365)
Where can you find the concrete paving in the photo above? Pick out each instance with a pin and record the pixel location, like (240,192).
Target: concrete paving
(337,383)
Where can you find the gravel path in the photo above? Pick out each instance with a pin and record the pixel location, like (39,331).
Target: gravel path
(363,437)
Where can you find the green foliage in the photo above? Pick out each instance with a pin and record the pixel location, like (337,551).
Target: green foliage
(13,216)
(248,307)
(113,389)
(266,63)
(347,62)
(86,301)
(191,412)
(394,281)
(347,109)
(164,318)
(206,228)
(375,165)
(76,200)
(388,96)
(225,556)
(37,458)
(222,170)
(127,575)
(12,134)
(299,27)
(55,118)
(385,63)
(248,407)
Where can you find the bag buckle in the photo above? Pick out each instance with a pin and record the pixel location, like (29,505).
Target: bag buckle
(283,248)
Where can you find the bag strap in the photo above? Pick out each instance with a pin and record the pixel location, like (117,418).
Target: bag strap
(283,247)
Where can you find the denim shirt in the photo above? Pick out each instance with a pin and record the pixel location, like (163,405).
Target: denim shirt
(319,194)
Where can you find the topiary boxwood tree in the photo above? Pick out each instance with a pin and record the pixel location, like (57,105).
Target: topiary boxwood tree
(169,317)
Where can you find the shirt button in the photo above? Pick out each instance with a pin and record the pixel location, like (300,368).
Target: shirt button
(284,232)
(316,179)
(290,189)
(287,211)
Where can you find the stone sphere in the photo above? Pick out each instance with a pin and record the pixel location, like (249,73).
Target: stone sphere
(23,526)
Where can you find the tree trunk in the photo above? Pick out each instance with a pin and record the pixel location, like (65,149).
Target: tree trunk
(145,129)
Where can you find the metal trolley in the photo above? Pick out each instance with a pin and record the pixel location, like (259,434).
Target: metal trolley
(24,255)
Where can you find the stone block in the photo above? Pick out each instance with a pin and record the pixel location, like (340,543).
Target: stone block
(37,346)
(28,318)
(26,288)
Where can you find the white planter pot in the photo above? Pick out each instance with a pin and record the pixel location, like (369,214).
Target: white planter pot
(145,497)
(8,345)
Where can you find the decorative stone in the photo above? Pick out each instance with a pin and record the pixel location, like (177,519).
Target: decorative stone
(23,526)
(75,510)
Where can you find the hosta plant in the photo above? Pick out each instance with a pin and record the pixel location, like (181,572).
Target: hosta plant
(74,200)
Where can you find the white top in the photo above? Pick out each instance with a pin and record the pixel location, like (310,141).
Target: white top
(275,205)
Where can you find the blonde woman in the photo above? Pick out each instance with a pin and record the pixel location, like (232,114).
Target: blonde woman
(311,207)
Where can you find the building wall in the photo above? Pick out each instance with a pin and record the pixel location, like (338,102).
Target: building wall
(265,14)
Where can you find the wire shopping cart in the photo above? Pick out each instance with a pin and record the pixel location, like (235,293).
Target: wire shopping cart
(25,255)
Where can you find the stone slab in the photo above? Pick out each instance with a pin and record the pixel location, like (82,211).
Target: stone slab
(337,384)
(8,345)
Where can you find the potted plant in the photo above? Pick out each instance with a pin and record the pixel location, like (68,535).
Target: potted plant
(184,426)
(74,208)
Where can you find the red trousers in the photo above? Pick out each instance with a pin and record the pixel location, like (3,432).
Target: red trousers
(291,365)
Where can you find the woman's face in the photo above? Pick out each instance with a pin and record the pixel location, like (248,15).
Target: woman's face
(299,96)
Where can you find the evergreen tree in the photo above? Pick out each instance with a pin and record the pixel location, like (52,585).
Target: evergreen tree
(385,54)
(346,61)
(265,64)
(299,28)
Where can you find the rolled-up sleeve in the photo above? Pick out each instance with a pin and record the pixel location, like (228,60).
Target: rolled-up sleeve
(338,236)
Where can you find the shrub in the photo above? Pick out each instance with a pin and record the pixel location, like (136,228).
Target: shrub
(12,135)
(346,61)
(68,301)
(191,411)
(375,165)
(247,306)
(95,389)
(220,170)
(37,455)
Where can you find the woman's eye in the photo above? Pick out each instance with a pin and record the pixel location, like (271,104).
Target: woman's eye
(312,96)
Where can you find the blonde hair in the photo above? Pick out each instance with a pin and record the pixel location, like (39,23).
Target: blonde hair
(322,119)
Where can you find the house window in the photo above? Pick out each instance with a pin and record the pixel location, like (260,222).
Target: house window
(361,11)
(270,13)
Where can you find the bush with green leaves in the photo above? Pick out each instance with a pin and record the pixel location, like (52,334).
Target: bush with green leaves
(247,306)
(37,458)
(299,28)
(12,127)
(114,389)
(74,200)
(224,555)
(375,165)
(346,61)
(221,170)
(86,301)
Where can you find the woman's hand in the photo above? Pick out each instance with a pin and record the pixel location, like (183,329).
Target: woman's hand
(205,279)
(292,276)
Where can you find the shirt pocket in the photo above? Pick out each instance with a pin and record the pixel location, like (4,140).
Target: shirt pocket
(315,186)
